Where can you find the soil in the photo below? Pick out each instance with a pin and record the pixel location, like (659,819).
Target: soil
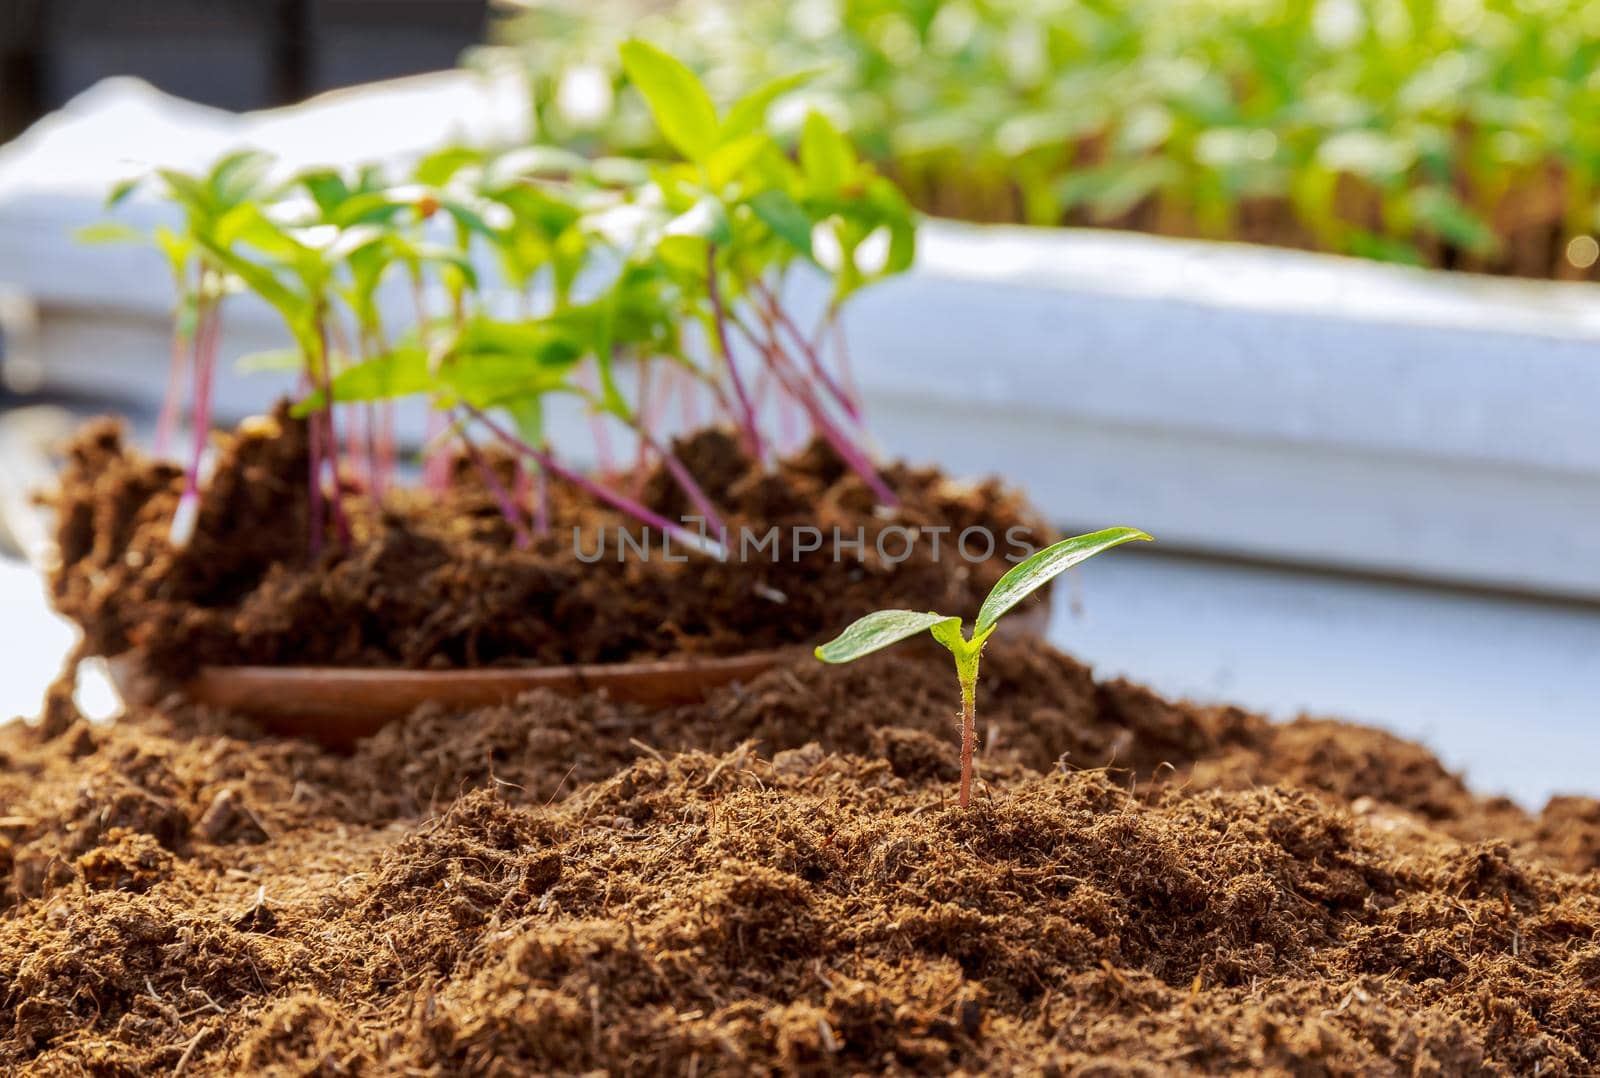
(777,881)
(437,580)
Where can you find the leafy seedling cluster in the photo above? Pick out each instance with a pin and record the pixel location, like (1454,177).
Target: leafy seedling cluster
(1451,133)
(534,273)
(882,628)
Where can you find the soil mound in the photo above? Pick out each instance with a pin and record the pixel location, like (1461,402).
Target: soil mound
(435,580)
(777,881)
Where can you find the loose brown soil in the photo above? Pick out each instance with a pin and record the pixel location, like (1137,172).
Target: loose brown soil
(777,881)
(773,881)
(435,580)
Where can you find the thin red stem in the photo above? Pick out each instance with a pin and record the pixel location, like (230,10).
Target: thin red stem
(794,383)
(617,501)
(205,361)
(720,321)
(541,503)
(508,508)
(329,443)
(314,481)
(775,312)
(167,422)
(687,482)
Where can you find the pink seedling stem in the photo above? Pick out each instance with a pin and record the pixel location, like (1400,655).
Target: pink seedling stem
(314,481)
(541,503)
(386,450)
(772,311)
(187,515)
(324,446)
(686,480)
(502,497)
(436,469)
(167,421)
(719,312)
(794,382)
(600,493)
(355,446)
(841,349)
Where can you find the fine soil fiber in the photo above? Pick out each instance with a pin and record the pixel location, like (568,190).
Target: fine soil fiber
(437,580)
(777,880)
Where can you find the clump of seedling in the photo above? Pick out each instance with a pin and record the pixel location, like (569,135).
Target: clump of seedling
(536,273)
(882,628)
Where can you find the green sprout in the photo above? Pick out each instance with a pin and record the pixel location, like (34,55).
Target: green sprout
(882,628)
(534,274)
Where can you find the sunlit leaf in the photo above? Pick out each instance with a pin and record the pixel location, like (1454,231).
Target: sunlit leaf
(681,107)
(879,630)
(1029,576)
(825,155)
(785,217)
(749,114)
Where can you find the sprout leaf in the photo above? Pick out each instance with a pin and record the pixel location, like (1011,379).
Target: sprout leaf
(877,631)
(680,105)
(1045,565)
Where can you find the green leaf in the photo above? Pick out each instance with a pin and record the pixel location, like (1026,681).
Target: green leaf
(1045,565)
(108,232)
(878,630)
(785,217)
(528,417)
(681,107)
(400,373)
(466,215)
(177,247)
(121,190)
(239,176)
(619,171)
(326,188)
(749,114)
(186,190)
(535,161)
(491,381)
(732,160)
(537,343)
(826,156)
(1440,211)
(354,240)
(440,166)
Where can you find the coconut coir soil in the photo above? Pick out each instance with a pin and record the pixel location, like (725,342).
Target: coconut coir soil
(435,579)
(777,881)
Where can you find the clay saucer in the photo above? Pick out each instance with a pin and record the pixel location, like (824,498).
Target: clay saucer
(338,706)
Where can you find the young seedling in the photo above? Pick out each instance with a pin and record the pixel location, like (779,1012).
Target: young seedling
(882,628)
(606,262)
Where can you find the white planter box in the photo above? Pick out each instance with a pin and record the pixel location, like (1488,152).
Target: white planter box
(1255,402)
(1232,400)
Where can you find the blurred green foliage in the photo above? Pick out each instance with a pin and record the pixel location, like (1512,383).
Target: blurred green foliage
(1457,133)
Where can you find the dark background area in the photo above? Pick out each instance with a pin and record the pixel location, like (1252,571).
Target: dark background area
(236,54)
